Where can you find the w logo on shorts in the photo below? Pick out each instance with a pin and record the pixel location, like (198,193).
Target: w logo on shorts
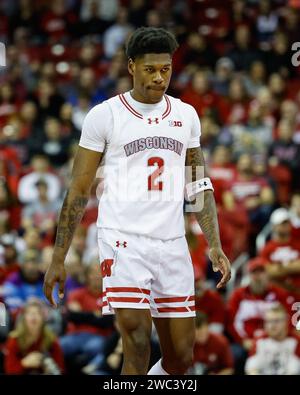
(106,267)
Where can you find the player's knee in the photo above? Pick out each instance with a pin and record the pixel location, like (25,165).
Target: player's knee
(138,339)
(136,331)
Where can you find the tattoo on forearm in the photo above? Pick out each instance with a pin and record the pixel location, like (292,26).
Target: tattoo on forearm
(70,216)
(207,217)
(208,220)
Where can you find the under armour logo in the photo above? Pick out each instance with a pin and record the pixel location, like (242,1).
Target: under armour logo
(150,120)
(118,244)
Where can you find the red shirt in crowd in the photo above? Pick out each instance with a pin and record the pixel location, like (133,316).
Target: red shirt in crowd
(215,354)
(88,302)
(246,310)
(14,356)
(220,176)
(243,189)
(275,251)
(7,270)
(201,103)
(212,305)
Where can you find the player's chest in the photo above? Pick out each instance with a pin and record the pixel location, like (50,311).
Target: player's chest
(153,131)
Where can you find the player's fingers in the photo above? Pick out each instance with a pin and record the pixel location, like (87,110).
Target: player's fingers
(215,266)
(226,273)
(48,292)
(61,291)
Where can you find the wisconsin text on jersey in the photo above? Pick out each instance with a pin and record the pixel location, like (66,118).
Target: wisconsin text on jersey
(153,143)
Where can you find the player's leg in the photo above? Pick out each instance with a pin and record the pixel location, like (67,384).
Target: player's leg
(177,337)
(135,327)
(126,292)
(173,307)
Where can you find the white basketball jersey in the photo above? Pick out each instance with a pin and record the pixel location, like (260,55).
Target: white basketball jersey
(144,149)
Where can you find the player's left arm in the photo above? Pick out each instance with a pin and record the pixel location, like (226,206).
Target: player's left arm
(207,218)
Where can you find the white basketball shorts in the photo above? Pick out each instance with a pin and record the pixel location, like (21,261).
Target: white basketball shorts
(140,272)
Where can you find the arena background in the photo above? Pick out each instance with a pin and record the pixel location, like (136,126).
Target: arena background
(237,64)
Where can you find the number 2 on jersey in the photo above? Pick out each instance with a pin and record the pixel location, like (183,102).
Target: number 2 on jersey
(152,185)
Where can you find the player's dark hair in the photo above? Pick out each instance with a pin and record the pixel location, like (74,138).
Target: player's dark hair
(150,40)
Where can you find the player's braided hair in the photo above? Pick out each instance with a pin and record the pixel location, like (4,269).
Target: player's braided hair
(150,40)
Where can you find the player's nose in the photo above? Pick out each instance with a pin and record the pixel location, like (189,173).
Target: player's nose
(158,79)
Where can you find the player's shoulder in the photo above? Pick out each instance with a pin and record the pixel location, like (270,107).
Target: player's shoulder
(98,113)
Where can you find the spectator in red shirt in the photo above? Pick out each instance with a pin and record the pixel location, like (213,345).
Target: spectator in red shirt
(32,348)
(212,353)
(221,170)
(283,253)
(234,108)
(87,330)
(209,302)
(199,94)
(249,193)
(247,305)
(277,352)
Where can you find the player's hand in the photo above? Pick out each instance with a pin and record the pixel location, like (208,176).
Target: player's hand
(220,263)
(56,273)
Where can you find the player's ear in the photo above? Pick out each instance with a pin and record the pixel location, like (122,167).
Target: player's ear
(131,66)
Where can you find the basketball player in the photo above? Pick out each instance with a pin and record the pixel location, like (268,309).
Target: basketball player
(145,263)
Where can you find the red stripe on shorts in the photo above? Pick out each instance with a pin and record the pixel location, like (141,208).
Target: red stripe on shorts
(175,309)
(127,299)
(128,289)
(175,299)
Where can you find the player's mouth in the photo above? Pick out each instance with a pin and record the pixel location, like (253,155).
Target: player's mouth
(157,88)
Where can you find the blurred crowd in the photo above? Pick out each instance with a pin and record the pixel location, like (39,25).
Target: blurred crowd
(234,66)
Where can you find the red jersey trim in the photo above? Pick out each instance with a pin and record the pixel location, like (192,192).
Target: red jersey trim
(129,108)
(139,115)
(168,109)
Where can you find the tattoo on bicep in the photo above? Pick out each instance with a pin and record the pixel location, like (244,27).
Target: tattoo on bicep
(70,216)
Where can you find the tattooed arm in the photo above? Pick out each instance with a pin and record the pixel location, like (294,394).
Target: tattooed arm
(84,170)
(208,219)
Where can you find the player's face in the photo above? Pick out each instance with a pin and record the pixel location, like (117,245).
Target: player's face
(151,76)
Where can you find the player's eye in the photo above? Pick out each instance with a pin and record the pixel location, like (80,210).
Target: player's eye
(165,69)
(149,69)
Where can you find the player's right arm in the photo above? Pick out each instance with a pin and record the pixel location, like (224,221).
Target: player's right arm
(83,174)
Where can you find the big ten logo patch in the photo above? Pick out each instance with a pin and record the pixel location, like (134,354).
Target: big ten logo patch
(175,124)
